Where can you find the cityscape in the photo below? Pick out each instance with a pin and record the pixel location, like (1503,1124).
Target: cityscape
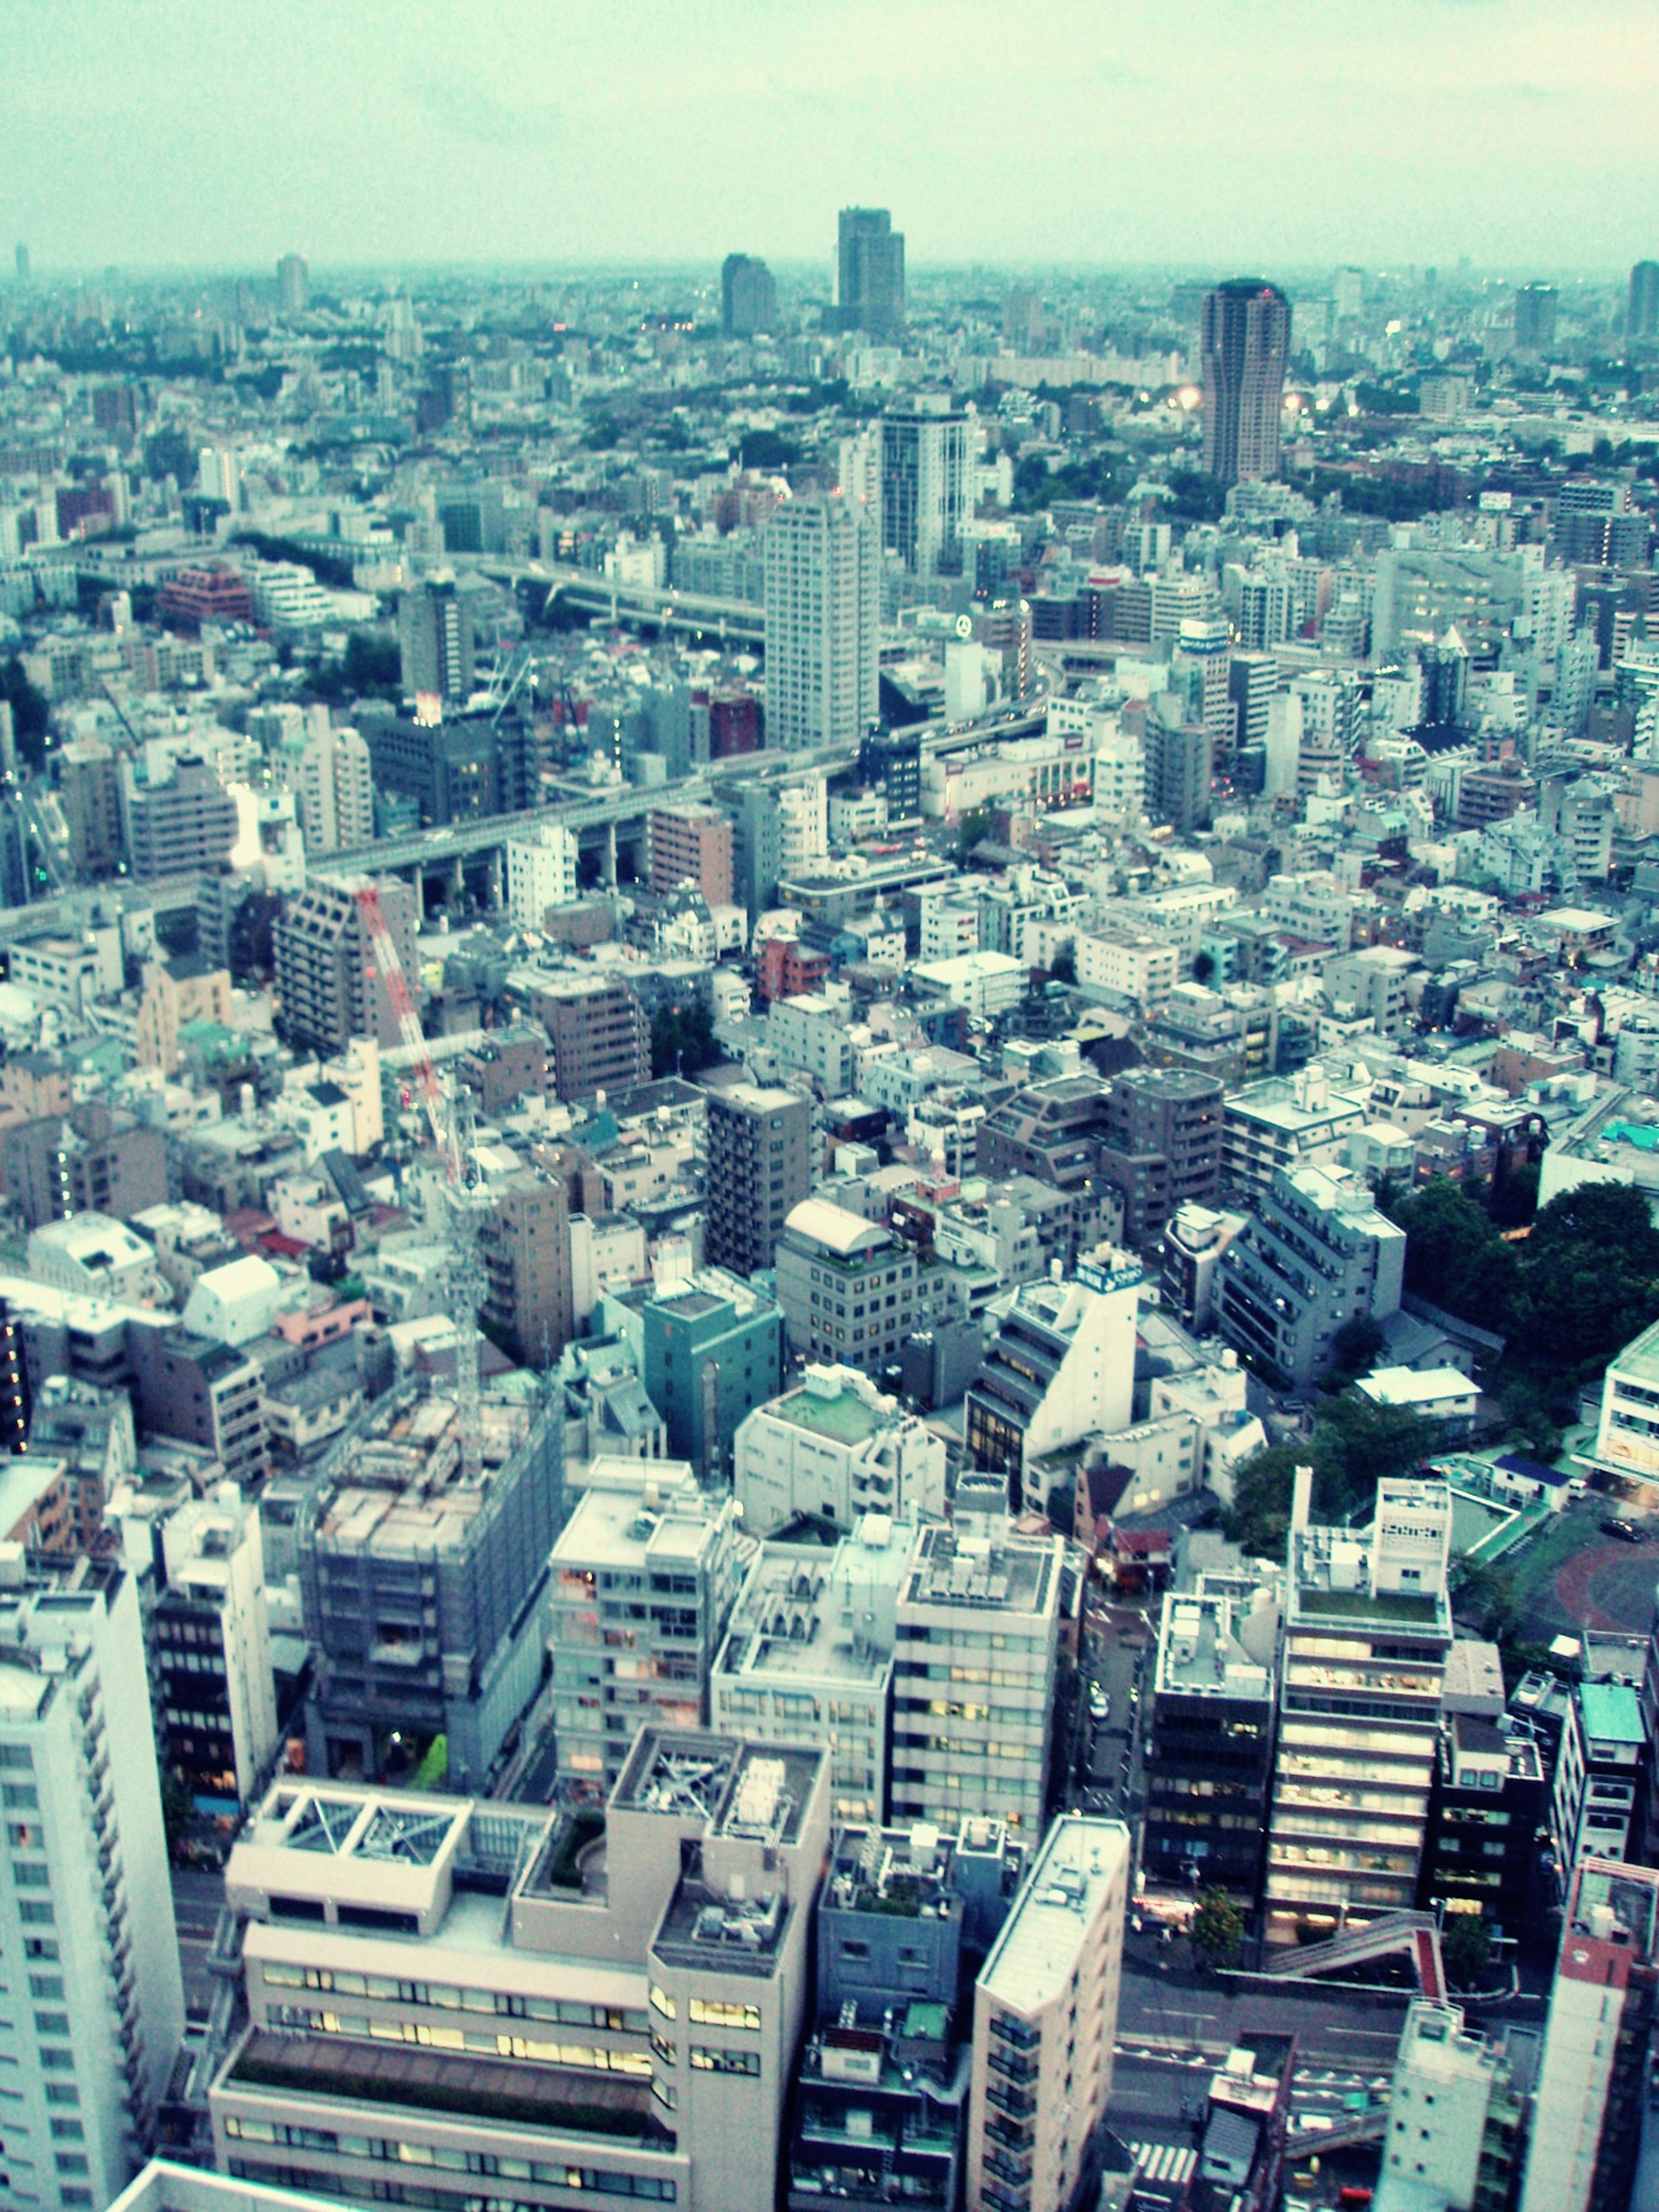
(828,1129)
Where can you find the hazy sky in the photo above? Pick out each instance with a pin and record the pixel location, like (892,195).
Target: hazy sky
(1218,132)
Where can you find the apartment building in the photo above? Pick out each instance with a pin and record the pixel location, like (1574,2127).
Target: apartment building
(214,1692)
(1059,1368)
(690,844)
(85,1913)
(524,1241)
(645,1573)
(88,1161)
(1162,1146)
(1288,1121)
(479,1989)
(1595,1797)
(848,1288)
(1045,2025)
(1456,2119)
(1209,1748)
(1317,1254)
(1367,1632)
(600,1038)
(835,1448)
(979,1624)
(328,981)
(808,1655)
(758,1169)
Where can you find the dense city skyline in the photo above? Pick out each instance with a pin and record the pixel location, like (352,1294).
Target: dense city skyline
(1423,131)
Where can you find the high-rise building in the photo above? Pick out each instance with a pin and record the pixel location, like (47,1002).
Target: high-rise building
(541,872)
(333,780)
(1045,2025)
(1209,1748)
(1367,1631)
(215,1695)
(714,1351)
(870,273)
(85,1915)
(176,815)
(690,844)
(1456,2115)
(1588,2108)
(328,981)
(645,1574)
(1642,316)
(435,641)
(971,1716)
(759,1168)
(1535,318)
(89,792)
(847,1287)
(293,284)
(20,261)
(524,1240)
(823,623)
(749,296)
(1059,1367)
(926,494)
(600,1038)
(1163,1146)
(1245,340)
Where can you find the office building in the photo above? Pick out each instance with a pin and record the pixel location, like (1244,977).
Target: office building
(690,844)
(645,1574)
(600,1038)
(1456,2119)
(541,872)
(1244,343)
(90,1160)
(979,1621)
(1317,1255)
(1490,1804)
(86,1917)
(1535,318)
(823,562)
(293,284)
(164,2187)
(176,815)
(89,792)
(434,642)
(476,1989)
(870,273)
(1367,1632)
(204,1394)
(710,1351)
(213,1693)
(424,1581)
(1591,2109)
(524,1241)
(1209,1748)
(328,981)
(1600,1781)
(454,768)
(1162,1147)
(748,297)
(1045,2025)
(890,762)
(848,1288)
(926,494)
(835,1450)
(1642,315)
(758,1169)
(1059,1368)
(808,1655)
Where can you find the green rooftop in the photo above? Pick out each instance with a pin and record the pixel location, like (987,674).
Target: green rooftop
(845,1417)
(1403,1606)
(1612,1713)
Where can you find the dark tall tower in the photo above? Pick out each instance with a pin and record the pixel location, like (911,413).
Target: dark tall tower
(748,297)
(869,276)
(1642,318)
(1245,338)
(1535,318)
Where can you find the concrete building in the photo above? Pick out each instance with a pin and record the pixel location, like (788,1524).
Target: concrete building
(176,815)
(328,982)
(1596,1799)
(434,642)
(1367,1632)
(91,1256)
(425,1582)
(926,492)
(869,273)
(1591,2122)
(1455,2119)
(1045,2025)
(85,1918)
(848,1288)
(822,624)
(1195,1238)
(749,296)
(835,1450)
(978,1623)
(1162,1146)
(645,1573)
(600,1038)
(1244,340)
(1490,1802)
(1317,1255)
(201,1392)
(213,1693)
(91,1160)
(690,844)
(1287,1121)
(808,1655)
(503,1999)
(523,1241)
(541,872)
(1209,1750)
(1059,1368)
(757,1170)
(709,1349)
(1627,1436)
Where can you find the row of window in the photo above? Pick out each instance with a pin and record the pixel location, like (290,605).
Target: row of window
(707,2011)
(593,2057)
(444,1997)
(599,2180)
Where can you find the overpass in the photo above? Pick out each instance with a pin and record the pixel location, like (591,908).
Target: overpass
(70,912)
(636,606)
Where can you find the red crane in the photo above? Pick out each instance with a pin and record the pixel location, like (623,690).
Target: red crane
(386,963)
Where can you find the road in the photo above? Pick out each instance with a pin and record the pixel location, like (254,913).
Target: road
(197,1898)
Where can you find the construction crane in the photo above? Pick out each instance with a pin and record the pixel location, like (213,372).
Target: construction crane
(448,1116)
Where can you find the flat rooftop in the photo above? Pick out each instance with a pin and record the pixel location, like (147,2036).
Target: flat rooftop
(735,1787)
(401,1484)
(845,1414)
(1199,1655)
(980,1574)
(1031,1959)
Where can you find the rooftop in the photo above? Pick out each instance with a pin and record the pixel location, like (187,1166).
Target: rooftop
(833,1401)
(399,1482)
(735,1787)
(1198,1655)
(833,1226)
(1613,1713)
(1080,1861)
(1013,1575)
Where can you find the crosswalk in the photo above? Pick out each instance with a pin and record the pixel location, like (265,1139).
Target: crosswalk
(1168,2162)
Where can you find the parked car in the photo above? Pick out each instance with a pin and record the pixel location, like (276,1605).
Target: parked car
(1626,1531)
(1100,1706)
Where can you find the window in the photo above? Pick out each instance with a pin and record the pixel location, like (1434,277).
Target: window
(662,2002)
(709,2060)
(715,2012)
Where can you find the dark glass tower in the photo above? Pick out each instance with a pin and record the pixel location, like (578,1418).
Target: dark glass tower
(1245,341)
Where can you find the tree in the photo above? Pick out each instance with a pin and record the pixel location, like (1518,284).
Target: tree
(973,827)
(1588,1280)
(1355,1346)
(1218,1928)
(1465,1948)
(1203,967)
(177,1813)
(1455,1257)
(1063,966)
(30,714)
(683,1040)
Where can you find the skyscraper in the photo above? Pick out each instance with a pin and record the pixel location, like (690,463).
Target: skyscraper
(1535,318)
(924,482)
(292,283)
(869,276)
(434,638)
(1642,318)
(1245,339)
(823,622)
(749,296)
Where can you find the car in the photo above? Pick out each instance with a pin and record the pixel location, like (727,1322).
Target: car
(1100,1706)
(1626,1531)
